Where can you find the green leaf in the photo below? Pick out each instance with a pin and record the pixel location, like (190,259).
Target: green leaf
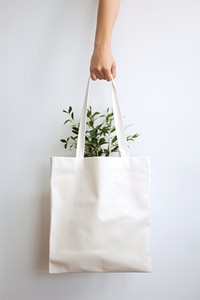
(94,140)
(115,149)
(89,112)
(107,152)
(75,129)
(100,152)
(114,139)
(98,128)
(132,137)
(102,141)
(109,116)
(91,123)
(66,122)
(102,116)
(98,133)
(91,145)
(96,113)
(105,129)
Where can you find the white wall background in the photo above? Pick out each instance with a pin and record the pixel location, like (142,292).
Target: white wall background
(45,52)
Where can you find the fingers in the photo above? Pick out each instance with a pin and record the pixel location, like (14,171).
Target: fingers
(113,70)
(107,75)
(102,64)
(93,76)
(103,73)
(95,73)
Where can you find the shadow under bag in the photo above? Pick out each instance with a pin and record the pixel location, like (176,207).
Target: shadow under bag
(100,208)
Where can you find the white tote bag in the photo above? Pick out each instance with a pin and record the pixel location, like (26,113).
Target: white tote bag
(100,208)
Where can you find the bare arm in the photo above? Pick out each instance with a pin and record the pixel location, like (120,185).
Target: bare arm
(102,65)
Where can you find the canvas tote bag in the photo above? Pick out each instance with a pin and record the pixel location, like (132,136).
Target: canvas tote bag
(100,208)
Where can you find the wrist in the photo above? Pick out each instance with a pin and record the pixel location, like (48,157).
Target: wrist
(105,45)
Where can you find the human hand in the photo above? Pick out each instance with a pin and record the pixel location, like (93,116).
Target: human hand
(102,65)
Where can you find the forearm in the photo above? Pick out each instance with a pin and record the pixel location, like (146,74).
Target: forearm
(102,65)
(107,14)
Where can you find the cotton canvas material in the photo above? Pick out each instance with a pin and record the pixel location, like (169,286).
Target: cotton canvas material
(100,208)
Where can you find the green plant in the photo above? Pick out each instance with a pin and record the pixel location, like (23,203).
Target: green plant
(100,136)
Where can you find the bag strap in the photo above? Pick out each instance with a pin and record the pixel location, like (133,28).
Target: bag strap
(121,136)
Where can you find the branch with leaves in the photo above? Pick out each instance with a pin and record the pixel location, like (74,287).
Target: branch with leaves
(100,136)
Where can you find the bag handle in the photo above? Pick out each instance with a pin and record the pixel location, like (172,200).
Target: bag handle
(121,136)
